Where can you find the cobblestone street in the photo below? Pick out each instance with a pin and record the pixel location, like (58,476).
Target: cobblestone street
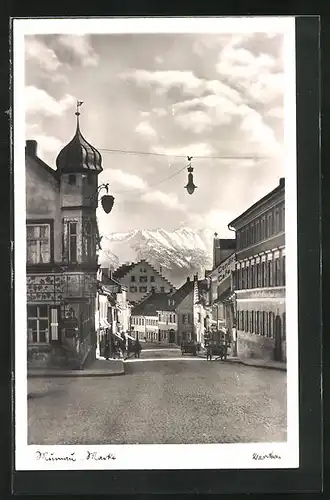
(162,400)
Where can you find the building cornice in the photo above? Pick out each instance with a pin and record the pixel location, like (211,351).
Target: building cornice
(259,208)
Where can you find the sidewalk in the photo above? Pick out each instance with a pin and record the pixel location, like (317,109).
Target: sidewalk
(99,368)
(258,363)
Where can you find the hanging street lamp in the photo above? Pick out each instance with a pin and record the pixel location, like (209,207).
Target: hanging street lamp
(107,200)
(190,187)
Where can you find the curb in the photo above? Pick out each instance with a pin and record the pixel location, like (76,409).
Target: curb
(75,373)
(40,373)
(267,367)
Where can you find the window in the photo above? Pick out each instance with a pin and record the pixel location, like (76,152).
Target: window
(263,323)
(258,231)
(132,279)
(270,273)
(283,270)
(38,323)
(270,325)
(284,326)
(159,317)
(72,179)
(259,277)
(238,237)
(143,270)
(153,289)
(38,243)
(143,289)
(262,228)
(257,325)
(133,289)
(276,221)
(277,272)
(199,317)
(152,278)
(162,289)
(72,242)
(270,225)
(246,324)
(143,279)
(252,322)
(88,241)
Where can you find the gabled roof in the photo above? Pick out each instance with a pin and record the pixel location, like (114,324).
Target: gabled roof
(123,270)
(183,291)
(43,165)
(153,303)
(126,268)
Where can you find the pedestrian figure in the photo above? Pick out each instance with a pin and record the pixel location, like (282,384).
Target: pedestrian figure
(137,348)
(209,352)
(107,350)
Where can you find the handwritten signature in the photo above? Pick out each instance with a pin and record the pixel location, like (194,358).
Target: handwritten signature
(72,457)
(271,456)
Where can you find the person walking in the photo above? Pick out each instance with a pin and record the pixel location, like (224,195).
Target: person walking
(209,352)
(138,348)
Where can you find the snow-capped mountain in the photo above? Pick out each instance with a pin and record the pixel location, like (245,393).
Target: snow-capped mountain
(179,253)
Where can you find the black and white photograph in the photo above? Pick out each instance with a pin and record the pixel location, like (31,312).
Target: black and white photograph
(155,221)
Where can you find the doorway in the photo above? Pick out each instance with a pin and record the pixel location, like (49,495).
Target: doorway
(278,338)
(172,337)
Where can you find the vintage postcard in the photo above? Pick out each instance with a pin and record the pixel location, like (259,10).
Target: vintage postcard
(155,236)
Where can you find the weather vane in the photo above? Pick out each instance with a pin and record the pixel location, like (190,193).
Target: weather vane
(190,187)
(79,103)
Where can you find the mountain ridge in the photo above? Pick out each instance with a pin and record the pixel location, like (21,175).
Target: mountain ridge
(176,254)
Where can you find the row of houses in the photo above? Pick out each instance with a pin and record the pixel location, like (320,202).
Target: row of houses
(243,294)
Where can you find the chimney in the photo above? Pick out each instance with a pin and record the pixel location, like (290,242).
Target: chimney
(282,181)
(195,277)
(188,279)
(31,148)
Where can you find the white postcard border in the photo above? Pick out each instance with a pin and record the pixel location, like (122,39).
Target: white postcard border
(201,456)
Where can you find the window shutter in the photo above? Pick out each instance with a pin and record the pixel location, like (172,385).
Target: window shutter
(54,323)
(65,241)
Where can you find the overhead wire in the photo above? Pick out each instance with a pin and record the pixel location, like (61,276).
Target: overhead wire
(168,155)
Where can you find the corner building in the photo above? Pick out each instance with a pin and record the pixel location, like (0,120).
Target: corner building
(62,262)
(259,278)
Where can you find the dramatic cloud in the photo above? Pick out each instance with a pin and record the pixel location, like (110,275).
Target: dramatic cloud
(80,46)
(38,52)
(215,97)
(39,101)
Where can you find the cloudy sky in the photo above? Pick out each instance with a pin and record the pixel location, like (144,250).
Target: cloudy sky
(175,95)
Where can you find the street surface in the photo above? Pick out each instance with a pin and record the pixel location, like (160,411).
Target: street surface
(163,398)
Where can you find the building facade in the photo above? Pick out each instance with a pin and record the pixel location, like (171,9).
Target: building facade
(259,278)
(193,312)
(154,318)
(141,279)
(62,243)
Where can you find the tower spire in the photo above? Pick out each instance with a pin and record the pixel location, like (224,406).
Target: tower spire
(77,113)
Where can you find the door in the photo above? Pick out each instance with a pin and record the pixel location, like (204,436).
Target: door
(172,337)
(278,338)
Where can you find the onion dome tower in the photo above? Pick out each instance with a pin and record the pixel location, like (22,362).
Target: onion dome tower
(79,156)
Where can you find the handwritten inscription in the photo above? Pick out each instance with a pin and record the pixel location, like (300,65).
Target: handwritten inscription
(93,455)
(52,457)
(72,457)
(271,456)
